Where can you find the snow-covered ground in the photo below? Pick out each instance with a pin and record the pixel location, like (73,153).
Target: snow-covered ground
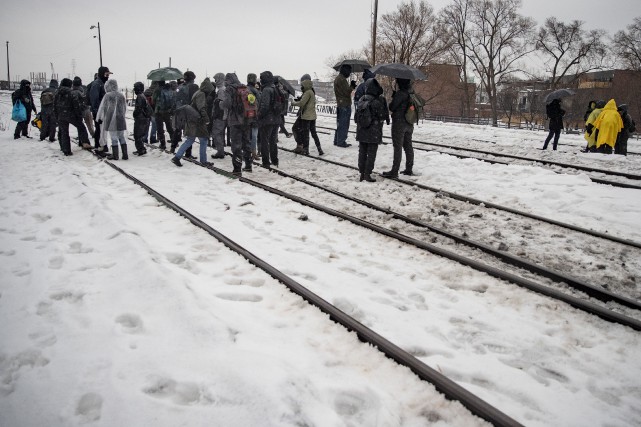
(117,311)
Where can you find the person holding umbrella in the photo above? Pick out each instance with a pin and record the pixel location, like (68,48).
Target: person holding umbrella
(402,130)
(555,113)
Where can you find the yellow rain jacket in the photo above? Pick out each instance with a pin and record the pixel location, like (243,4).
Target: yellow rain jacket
(591,119)
(609,124)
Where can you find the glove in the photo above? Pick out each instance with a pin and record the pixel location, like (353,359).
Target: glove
(589,129)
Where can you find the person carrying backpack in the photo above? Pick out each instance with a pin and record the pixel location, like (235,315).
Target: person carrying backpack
(198,128)
(86,110)
(629,126)
(402,130)
(232,103)
(268,120)
(164,107)
(68,109)
(142,116)
(183,97)
(49,124)
(24,95)
(371,112)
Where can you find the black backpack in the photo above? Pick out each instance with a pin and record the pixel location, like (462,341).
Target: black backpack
(279,101)
(363,115)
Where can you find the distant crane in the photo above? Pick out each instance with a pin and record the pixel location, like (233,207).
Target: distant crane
(53,73)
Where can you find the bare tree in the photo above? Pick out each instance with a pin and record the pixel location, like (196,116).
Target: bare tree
(496,38)
(627,45)
(569,50)
(453,19)
(410,35)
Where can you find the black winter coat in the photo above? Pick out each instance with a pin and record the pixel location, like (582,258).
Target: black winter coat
(25,96)
(398,106)
(67,105)
(377,105)
(555,113)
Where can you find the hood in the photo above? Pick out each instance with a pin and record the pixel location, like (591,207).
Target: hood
(623,108)
(600,103)
(219,79)
(252,78)
(345,70)
(367,74)
(611,105)
(231,79)
(592,105)
(77,81)
(266,77)
(139,87)
(111,86)
(207,86)
(307,85)
(305,77)
(24,83)
(373,88)
(53,84)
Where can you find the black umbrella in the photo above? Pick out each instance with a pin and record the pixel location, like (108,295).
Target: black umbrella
(286,85)
(558,94)
(358,65)
(164,74)
(399,71)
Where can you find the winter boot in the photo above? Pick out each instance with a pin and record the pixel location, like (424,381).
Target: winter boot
(114,155)
(390,174)
(125,155)
(367,177)
(299,149)
(176,161)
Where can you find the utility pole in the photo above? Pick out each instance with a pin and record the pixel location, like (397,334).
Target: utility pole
(374,32)
(8,73)
(170,61)
(99,40)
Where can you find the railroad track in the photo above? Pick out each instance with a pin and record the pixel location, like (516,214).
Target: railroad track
(493,160)
(450,389)
(583,299)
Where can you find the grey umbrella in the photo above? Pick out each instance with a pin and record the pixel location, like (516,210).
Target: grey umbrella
(286,85)
(164,74)
(358,65)
(558,94)
(399,71)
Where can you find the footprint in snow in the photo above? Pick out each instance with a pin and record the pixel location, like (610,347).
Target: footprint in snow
(240,297)
(89,407)
(130,323)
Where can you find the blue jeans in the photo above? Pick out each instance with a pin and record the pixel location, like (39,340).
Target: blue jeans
(343,115)
(254,138)
(189,140)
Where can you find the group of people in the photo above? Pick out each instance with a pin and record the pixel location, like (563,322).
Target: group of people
(247,117)
(607,126)
(372,112)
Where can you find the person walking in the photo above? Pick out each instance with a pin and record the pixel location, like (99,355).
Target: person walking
(343,94)
(184,95)
(24,95)
(111,114)
(164,105)
(199,128)
(402,130)
(371,112)
(68,107)
(49,124)
(268,120)
(555,113)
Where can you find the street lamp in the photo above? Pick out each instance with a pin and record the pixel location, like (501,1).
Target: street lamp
(99,40)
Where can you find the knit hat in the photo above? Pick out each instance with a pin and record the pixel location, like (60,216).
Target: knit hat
(251,78)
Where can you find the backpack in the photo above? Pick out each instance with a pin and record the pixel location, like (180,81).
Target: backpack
(147,111)
(46,98)
(217,112)
(279,101)
(414,108)
(185,114)
(363,115)
(165,102)
(633,127)
(182,96)
(244,102)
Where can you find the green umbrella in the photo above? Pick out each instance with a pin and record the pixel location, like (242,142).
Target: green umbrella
(164,74)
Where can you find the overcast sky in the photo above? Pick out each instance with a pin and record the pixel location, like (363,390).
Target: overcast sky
(288,37)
